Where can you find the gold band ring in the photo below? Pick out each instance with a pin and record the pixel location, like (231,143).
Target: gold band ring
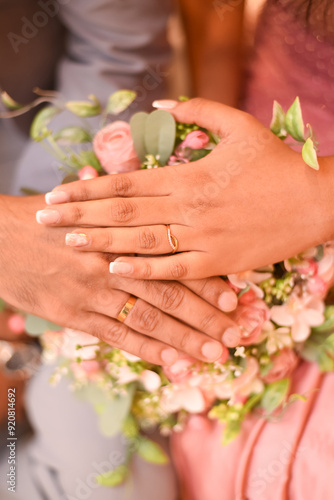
(126,309)
(172,240)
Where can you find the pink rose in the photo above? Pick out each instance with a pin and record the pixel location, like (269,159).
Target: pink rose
(87,172)
(283,365)
(114,148)
(251,318)
(195,140)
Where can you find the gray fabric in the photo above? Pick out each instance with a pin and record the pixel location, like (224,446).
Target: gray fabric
(69,451)
(111,44)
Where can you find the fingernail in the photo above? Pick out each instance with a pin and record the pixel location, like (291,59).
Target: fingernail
(212,350)
(76,239)
(169,356)
(231,337)
(227,301)
(164,104)
(47,216)
(56,197)
(120,268)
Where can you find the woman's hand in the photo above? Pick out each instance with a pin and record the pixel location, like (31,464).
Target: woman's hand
(251,202)
(43,277)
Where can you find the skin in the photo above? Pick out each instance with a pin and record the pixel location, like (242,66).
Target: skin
(251,202)
(43,277)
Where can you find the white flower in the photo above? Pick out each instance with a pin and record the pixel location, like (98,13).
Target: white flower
(300,314)
(249,279)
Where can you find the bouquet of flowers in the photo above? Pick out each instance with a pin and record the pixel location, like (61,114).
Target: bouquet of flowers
(281,309)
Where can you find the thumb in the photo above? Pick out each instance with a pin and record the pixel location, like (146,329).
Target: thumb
(216,117)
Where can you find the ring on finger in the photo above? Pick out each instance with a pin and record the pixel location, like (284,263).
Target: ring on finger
(127,308)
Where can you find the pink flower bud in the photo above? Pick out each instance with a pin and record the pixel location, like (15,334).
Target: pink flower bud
(16,324)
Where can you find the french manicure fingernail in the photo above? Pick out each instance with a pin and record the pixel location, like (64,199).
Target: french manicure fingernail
(120,268)
(231,337)
(76,239)
(164,104)
(169,356)
(47,216)
(227,301)
(212,350)
(56,197)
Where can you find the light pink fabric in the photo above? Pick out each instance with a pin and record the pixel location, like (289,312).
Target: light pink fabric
(294,457)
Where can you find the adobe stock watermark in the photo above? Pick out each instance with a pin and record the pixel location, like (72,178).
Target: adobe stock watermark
(30,27)
(262,478)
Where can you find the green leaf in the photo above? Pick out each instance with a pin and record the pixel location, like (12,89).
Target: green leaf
(326,362)
(151,452)
(89,158)
(72,135)
(130,427)
(137,127)
(38,129)
(29,191)
(309,154)
(274,395)
(85,109)
(3,305)
(160,133)
(36,326)
(113,477)
(277,125)
(294,122)
(328,324)
(70,178)
(9,102)
(119,101)
(231,431)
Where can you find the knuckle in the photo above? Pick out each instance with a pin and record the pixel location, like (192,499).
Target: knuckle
(77,213)
(172,297)
(83,191)
(185,340)
(178,271)
(209,323)
(116,334)
(107,241)
(146,271)
(144,350)
(121,185)
(148,319)
(122,211)
(147,239)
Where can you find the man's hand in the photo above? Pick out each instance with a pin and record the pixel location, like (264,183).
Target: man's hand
(44,277)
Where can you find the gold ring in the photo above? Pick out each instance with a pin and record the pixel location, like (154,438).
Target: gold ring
(126,309)
(172,240)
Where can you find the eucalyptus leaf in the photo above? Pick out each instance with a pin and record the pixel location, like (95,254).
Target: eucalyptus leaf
(116,410)
(2,305)
(274,395)
(160,132)
(309,154)
(278,121)
(35,326)
(9,102)
(294,122)
(151,452)
(38,129)
(137,127)
(119,101)
(72,135)
(113,477)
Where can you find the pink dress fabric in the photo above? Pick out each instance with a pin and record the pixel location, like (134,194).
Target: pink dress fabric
(293,458)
